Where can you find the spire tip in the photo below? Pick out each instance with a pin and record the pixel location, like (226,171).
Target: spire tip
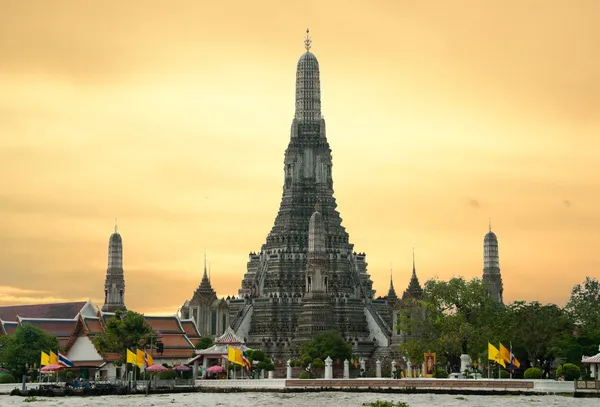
(307,41)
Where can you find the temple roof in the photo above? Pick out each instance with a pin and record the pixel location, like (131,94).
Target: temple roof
(165,324)
(92,325)
(391,295)
(591,359)
(228,338)
(62,310)
(190,328)
(414,289)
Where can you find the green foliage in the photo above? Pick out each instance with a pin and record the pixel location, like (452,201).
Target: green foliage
(205,342)
(168,375)
(23,348)
(30,399)
(380,403)
(258,355)
(306,375)
(504,374)
(455,316)
(584,309)
(569,371)
(126,330)
(533,373)
(327,344)
(440,374)
(7,378)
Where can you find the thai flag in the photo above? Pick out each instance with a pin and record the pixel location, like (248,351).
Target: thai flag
(246,361)
(64,361)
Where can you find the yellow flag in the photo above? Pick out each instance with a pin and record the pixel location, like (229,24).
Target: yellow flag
(131,357)
(150,360)
(504,353)
(238,357)
(231,354)
(53,358)
(140,358)
(45,360)
(494,354)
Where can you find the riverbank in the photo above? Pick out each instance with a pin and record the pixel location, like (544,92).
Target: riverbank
(371,385)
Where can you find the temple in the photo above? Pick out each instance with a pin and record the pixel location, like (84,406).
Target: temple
(491,266)
(307,277)
(210,313)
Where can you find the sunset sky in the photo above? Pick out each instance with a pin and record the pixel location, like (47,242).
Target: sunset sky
(174,117)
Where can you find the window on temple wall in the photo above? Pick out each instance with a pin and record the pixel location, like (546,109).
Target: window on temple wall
(213,322)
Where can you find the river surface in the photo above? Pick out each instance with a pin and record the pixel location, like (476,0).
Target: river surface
(324,399)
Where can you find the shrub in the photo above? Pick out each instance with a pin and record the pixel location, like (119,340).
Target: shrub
(568,370)
(7,378)
(306,375)
(504,374)
(533,373)
(169,374)
(440,374)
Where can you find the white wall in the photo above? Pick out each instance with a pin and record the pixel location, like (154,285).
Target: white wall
(375,330)
(244,328)
(83,350)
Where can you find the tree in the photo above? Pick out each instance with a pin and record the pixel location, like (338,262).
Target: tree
(327,344)
(205,342)
(125,330)
(456,317)
(540,330)
(23,348)
(584,304)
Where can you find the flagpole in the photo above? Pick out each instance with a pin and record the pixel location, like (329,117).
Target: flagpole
(499,344)
(511,361)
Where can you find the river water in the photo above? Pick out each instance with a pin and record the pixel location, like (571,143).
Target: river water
(324,399)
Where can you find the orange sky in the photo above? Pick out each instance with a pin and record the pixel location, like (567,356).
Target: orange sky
(174,117)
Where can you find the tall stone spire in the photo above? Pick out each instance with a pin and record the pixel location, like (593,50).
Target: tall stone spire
(391,295)
(304,242)
(491,265)
(308,87)
(414,289)
(114,286)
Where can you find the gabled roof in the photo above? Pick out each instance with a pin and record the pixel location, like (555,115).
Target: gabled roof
(56,327)
(63,310)
(190,328)
(591,359)
(92,325)
(165,324)
(175,341)
(228,338)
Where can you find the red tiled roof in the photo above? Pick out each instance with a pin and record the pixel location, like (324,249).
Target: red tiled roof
(64,310)
(56,327)
(190,329)
(93,325)
(173,353)
(176,341)
(194,341)
(91,363)
(111,357)
(165,324)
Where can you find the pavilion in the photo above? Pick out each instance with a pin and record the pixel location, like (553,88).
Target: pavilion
(594,362)
(216,355)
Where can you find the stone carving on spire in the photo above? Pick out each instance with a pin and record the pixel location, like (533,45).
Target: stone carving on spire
(307,41)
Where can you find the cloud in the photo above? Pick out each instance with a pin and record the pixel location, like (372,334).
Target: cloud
(473,203)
